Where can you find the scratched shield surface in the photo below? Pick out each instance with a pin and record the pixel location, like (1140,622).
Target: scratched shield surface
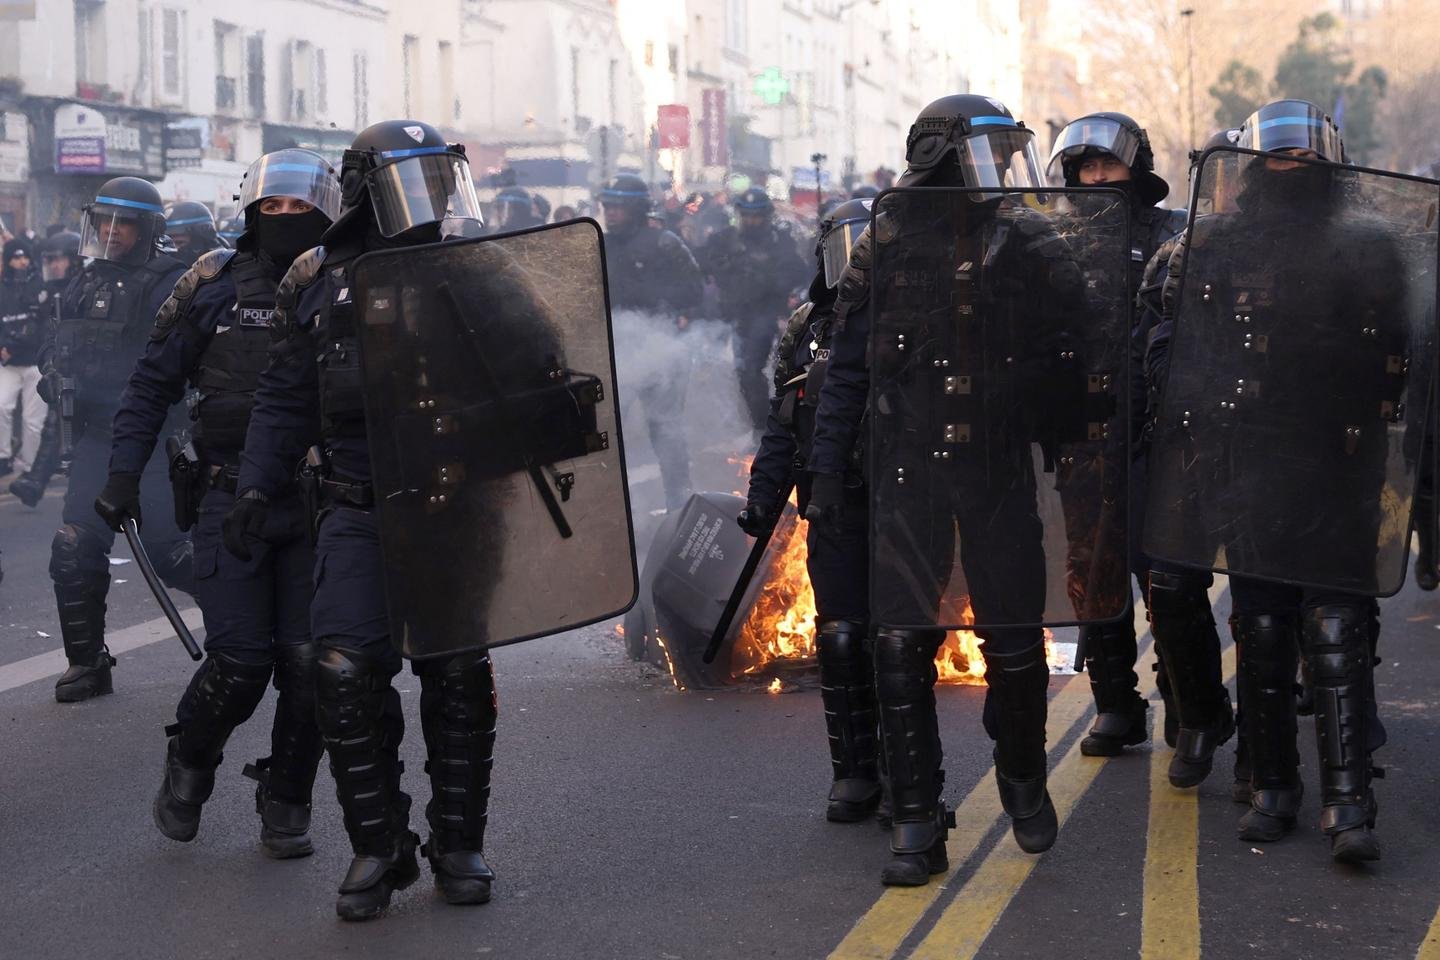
(495,438)
(1289,436)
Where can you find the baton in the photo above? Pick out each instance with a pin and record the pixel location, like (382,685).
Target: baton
(747,573)
(152,579)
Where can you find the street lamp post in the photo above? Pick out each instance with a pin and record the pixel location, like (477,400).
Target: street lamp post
(1189,14)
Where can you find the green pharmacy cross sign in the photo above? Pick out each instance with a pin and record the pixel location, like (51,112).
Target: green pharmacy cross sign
(771,86)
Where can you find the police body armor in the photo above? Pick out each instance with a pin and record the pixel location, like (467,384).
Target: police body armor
(102,329)
(230,368)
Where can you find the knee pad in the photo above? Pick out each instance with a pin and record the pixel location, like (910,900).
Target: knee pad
(1180,596)
(460,691)
(77,555)
(352,691)
(842,641)
(295,669)
(1337,641)
(905,663)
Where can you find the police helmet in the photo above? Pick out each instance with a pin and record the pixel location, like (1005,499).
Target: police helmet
(514,209)
(124,222)
(1292,125)
(193,221)
(1112,133)
(411,176)
(60,247)
(291,172)
(839,230)
(976,140)
(626,190)
(755,200)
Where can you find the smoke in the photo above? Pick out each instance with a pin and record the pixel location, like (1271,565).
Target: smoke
(684,379)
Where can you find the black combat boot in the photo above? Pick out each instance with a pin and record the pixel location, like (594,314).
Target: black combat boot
(285,778)
(457,714)
(1120,712)
(223,695)
(1185,636)
(847,690)
(905,689)
(1268,649)
(362,725)
(81,599)
(1337,645)
(1016,721)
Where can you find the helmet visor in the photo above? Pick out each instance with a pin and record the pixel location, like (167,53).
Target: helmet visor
(1092,134)
(299,174)
(119,231)
(835,248)
(54,266)
(1006,158)
(430,185)
(1292,125)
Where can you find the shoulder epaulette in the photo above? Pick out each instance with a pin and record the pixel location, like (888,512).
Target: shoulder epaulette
(204,270)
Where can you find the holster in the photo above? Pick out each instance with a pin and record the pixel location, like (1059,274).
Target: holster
(187,481)
(313,470)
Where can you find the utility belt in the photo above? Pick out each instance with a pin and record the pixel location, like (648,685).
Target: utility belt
(320,490)
(191,478)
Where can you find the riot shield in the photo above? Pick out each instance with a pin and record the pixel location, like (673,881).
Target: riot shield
(494,438)
(1288,440)
(998,446)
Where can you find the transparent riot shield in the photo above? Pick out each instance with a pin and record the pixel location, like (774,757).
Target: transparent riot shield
(1289,437)
(998,447)
(494,438)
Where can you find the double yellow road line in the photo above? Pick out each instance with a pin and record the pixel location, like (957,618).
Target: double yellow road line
(1171,925)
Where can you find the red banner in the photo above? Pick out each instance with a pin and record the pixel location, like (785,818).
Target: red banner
(712,128)
(673,127)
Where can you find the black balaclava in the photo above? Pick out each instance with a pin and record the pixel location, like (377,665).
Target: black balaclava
(284,236)
(1303,192)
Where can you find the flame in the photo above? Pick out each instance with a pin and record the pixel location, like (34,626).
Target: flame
(775,686)
(781,625)
(668,662)
(620,629)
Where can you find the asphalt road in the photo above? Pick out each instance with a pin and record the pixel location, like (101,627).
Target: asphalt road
(630,820)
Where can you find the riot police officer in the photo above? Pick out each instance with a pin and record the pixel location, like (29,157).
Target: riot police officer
(837,556)
(755,265)
(514,210)
(960,141)
(214,332)
(401,183)
(652,272)
(1268,262)
(191,227)
(1187,644)
(1111,150)
(104,319)
(60,263)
